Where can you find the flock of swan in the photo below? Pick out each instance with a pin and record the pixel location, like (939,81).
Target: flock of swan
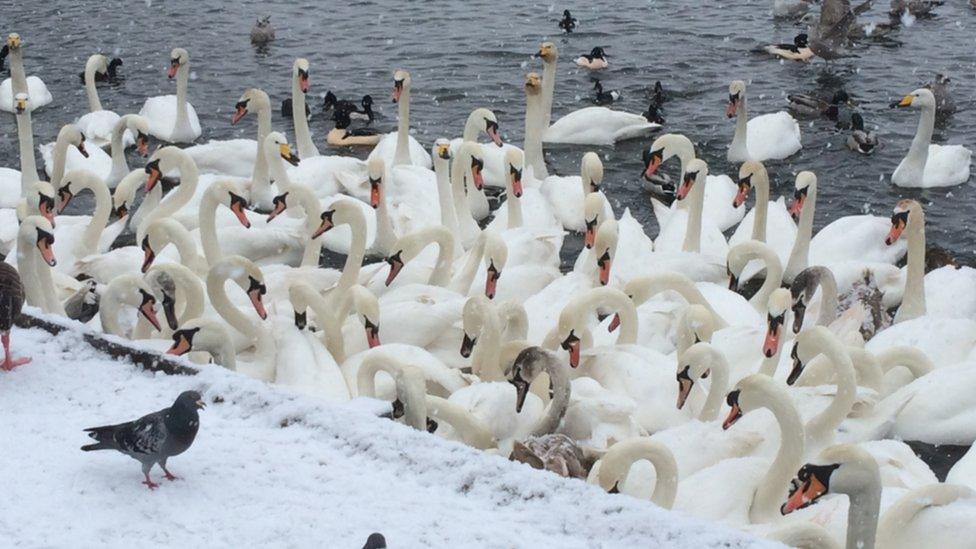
(619,371)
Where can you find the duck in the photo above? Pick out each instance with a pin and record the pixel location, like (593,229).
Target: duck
(928,165)
(861,140)
(35,88)
(773,136)
(399,147)
(799,50)
(834,109)
(605,97)
(595,60)
(344,136)
(568,22)
(944,104)
(362,111)
(172,118)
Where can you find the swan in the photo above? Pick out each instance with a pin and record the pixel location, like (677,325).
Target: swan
(740,255)
(19,82)
(465,173)
(35,257)
(249,278)
(214,338)
(163,161)
(128,289)
(768,222)
(332,321)
(99,124)
(927,165)
(182,295)
(933,514)
(589,125)
(948,291)
(81,236)
(124,198)
(566,195)
(127,124)
(163,232)
(614,466)
(400,148)
(69,148)
(16,185)
(484,120)
(299,88)
(173,118)
(720,205)
(773,136)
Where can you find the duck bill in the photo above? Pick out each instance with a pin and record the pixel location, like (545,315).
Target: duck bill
(732,109)
(804,496)
(684,389)
(492,132)
(771,343)
(740,197)
(173,67)
(734,414)
(47,253)
(614,323)
(796,208)
(894,234)
(240,113)
(258,303)
(467,345)
(180,347)
(148,311)
(238,210)
(395,267)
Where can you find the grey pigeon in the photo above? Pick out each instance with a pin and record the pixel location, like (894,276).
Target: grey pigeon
(262,32)
(375,541)
(153,438)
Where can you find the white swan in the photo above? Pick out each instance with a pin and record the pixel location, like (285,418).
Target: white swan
(566,195)
(768,137)
(128,289)
(299,88)
(99,124)
(613,468)
(768,222)
(400,148)
(19,82)
(68,152)
(126,125)
(35,257)
(484,120)
(214,338)
(927,165)
(172,118)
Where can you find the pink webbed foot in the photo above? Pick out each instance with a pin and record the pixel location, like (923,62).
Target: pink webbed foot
(11,363)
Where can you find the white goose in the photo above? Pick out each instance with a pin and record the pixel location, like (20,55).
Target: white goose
(19,82)
(927,165)
(400,148)
(171,117)
(768,137)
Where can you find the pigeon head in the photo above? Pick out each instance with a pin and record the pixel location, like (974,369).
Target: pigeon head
(189,400)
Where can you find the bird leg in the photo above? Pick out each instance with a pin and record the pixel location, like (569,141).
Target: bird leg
(9,363)
(149,483)
(168,475)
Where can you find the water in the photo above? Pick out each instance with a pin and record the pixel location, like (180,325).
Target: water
(473,54)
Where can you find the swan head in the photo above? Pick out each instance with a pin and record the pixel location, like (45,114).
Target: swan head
(591,170)
(178,58)
(737,94)
(842,469)
(806,347)
(140,127)
(593,208)
(125,192)
(247,276)
(163,284)
(485,120)
(132,289)
(779,302)
(663,148)
(231,194)
(21,101)
(749,170)
(548,52)
(74,182)
(695,172)
(42,201)
(441,149)
(71,135)
(804,285)
(472,322)
(751,393)
(527,366)
(375,168)
(516,162)
(277,144)
(98,63)
(162,161)
(299,71)
(14,42)
(533,84)
(39,230)
(201,335)
(496,255)
(401,82)
(921,98)
(605,248)
(472,150)
(805,180)
(906,212)
(693,364)
(253,99)
(411,245)
(369,312)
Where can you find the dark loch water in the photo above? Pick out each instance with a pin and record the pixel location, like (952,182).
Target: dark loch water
(473,54)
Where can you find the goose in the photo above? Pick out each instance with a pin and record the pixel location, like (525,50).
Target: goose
(861,140)
(720,204)
(12,296)
(399,147)
(128,289)
(596,59)
(586,126)
(768,222)
(613,468)
(299,117)
(799,50)
(172,118)
(930,514)
(484,120)
(37,92)
(927,165)
(98,124)
(773,136)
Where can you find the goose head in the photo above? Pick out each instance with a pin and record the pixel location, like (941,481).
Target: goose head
(921,98)
(779,302)
(533,84)
(842,469)
(485,120)
(277,144)
(804,285)
(696,172)
(548,52)
(906,212)
(749,170)
(804,180)
(737,94)
(593,208)
(401,82)
(253,99)
(178,58)
(663,148)
(20,102)
(74,182)
(515,159)
(39,230)
(375,168)
(591,169)
(527,366)
(299,71)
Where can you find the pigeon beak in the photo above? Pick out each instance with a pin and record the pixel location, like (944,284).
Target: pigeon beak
(201,404)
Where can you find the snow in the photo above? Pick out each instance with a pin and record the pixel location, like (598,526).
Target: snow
(274,469)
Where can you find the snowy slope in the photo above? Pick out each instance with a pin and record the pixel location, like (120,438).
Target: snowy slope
(329,478)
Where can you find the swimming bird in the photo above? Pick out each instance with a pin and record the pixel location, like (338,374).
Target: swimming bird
(829,36)
(809,105)
(916,8)
(110,75)
(262,32)
(944,104)
(568,22)
(605,97)
(11,302)
(799,50)
(596,59)
(861,140)
(153,438)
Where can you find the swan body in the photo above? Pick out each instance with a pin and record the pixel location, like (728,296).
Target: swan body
(399,147)
(598,126)
(927,165)
(171,117)
(772,136)
(19,82)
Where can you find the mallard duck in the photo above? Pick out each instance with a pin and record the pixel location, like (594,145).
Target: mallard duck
(861,140)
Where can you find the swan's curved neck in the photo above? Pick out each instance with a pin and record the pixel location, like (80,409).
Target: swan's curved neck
(685,155)
(120,166)
(176,234)
(820,429)
(260,180)
(513,203)
(656,284)
(28,165)
(622,455)
(465,277)
(409,386)
(692,242)
(225,308)
(766,502)
(60,156)
(94,104)
(402,154)
(762,209)
(548,91)
(828,299)
(561,390)
(108,313)
(208,228)
(773,280)
(103,208)
(303,138)
(467,226)
(904,511)
(910,358)
(464,423)
(615,300)
(357,251)
(182,126)
(313,210)
(804,232)
(719,387)
(385,236)
(276,165)
(189,177)
(913,302)
(533,135)
(441,275)
(485,361)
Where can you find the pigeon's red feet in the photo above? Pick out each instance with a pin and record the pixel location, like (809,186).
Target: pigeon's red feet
(150,484)
(11,363)
(170,476)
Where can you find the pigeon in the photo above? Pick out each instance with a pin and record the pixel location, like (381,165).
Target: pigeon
(375,541)
(153,438)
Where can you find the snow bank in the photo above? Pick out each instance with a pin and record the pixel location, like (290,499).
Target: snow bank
(273,470)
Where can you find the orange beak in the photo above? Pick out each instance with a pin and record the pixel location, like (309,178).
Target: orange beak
(574,353)
(604,264)
(372,334)
(734,414)
(173,66)
(517,183)
(47,254)
(180,347)
(396,265)
(491,281)
(149,256)
(895,233)
(684,188)
(732,108)
(614,323)
(153,178)
(374,193)
(240,113)
(324,227)
(684,389)
(148,310)
(771,343)
(652,166)
(45,209)
(258,304)
(237,207)
(492,131)
(740,197)
(796,208)
(805,495)
(303,82)
(479,180)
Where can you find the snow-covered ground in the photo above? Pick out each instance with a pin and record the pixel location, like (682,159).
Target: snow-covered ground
(271,469)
